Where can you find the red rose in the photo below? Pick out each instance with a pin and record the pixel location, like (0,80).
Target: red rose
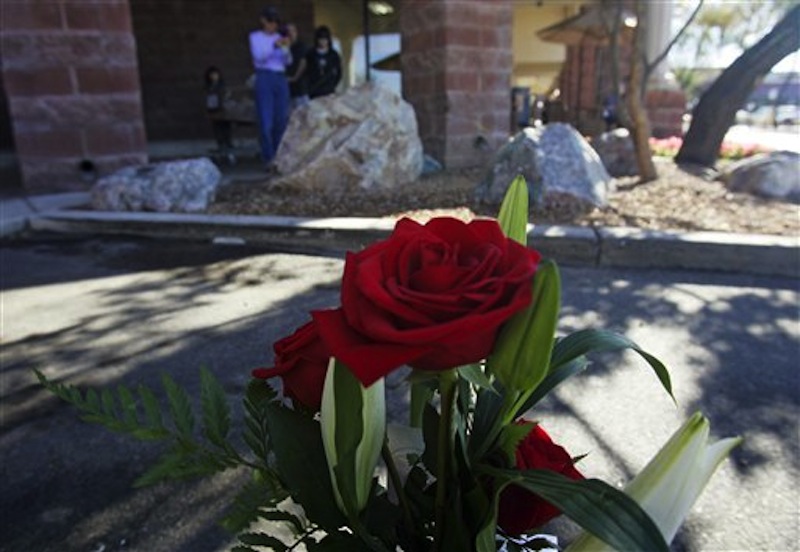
(431,296)
(301,361)
(520,509)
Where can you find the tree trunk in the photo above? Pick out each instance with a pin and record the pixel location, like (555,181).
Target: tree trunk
(639,121)
(716,110)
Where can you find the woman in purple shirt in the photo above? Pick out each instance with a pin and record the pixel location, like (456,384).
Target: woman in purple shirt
(270,52)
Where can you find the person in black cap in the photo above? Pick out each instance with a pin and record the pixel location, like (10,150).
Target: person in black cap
(270,53)
(296,72)
(323,65)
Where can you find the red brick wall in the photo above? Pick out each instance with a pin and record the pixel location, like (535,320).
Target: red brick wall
(456,58)
(666,108)
(178,39)
(586,80)
(70,75)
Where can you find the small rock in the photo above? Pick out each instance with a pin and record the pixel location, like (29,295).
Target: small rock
(553,159)
(772,175)
(617,153)
(186,186)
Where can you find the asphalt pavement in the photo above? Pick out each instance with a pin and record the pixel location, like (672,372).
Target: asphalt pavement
(95,312)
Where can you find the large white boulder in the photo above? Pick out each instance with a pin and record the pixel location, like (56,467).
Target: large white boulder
(554,159)
(185,186)
(363,139)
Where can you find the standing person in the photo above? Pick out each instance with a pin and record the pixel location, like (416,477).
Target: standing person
(296,72)
(324,66)
(270,53)
(216,95)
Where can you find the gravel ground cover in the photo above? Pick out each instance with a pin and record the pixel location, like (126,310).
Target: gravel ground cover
(680,199)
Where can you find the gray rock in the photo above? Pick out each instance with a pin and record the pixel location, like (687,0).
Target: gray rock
(772,175)
(554,159)
(363,139)
(617,153)
(186,186)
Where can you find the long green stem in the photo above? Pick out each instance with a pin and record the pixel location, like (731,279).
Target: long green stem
(444,450)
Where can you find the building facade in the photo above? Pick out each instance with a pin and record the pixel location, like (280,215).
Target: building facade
(86,85)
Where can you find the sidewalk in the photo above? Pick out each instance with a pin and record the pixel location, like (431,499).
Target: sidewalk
(570,245)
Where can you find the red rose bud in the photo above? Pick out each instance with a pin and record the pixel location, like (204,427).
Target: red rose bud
(301,361)
(521,510)
(431,296)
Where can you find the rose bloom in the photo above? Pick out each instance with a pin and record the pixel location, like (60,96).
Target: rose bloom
(301,361)
(521,510)
(431,296)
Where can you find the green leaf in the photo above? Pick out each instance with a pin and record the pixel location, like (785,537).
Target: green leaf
(521,358)
(128,404)
(182,464)
(246,507)
(510,438)
(488,409)
(152,410)
(582,342)
(107,397)
(262,539)
(297,443)
(513,216)
(179,406)
(486,541)
(256,400)
(216,412)
(93,401)
(599,508)
(556,376)
(473,373)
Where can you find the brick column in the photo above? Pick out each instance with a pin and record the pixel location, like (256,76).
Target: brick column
(72,83)
(457,63)
(665,107)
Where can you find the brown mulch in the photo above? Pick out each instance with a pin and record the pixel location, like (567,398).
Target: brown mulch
(678,200)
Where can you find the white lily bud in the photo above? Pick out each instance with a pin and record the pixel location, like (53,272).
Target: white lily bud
(353,423)
(672,481)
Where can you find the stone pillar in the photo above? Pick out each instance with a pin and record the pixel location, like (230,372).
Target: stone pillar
(72,82)
(457,62)
(665,101)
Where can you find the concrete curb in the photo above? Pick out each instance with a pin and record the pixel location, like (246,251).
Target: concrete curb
(16,213)
(569,245)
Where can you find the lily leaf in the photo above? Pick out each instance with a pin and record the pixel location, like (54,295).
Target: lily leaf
(513,216)
(599,508)
(581,342)
(556,376)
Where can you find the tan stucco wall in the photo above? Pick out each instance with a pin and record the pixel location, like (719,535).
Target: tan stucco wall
(537,63)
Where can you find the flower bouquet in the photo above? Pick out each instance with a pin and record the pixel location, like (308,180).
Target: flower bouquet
(464,316)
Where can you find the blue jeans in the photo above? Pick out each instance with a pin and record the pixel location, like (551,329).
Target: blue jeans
(272,106)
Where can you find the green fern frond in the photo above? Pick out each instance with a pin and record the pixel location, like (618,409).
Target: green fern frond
(180,407)
(257,499)
(216,412)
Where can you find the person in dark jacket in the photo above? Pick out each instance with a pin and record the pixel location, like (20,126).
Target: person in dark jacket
(323,65)
(296,72)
